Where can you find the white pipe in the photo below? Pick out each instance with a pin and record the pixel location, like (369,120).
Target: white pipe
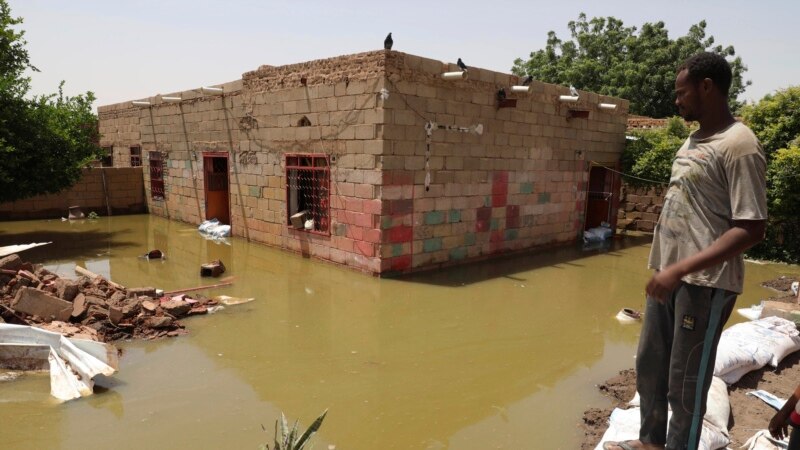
(454,75)
(608,106)
(568,98)
(521,89)
(210,90)
(140,103)
(171,99)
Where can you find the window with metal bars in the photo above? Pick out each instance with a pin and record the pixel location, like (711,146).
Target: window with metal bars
(157,176)
(136,156)
(308,192)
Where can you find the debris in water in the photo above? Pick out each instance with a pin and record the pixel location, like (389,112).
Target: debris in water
(628,315)
(213,269)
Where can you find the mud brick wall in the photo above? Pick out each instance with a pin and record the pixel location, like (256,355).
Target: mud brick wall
(519,185)
(123,186)
(640,207)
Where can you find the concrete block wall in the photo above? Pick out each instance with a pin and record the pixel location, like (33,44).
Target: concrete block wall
(256,123)
(640,207)
(120,131)
(519,185)
(124,189)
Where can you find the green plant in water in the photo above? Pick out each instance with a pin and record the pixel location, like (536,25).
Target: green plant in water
(93,215)
(288,439)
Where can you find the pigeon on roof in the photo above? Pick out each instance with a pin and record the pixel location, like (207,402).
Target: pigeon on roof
(461,64)
(527,80)
(573,92)
(387,43)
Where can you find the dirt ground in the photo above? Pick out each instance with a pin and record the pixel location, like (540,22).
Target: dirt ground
(748,414)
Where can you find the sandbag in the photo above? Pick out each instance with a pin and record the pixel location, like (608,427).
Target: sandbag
(718,405)
(750,345)
(624,425)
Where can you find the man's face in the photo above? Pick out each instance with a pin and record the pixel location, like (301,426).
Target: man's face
(688,97)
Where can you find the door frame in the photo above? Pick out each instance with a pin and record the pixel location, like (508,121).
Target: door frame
(209,156)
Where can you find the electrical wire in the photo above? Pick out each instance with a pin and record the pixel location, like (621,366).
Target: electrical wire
(629,175)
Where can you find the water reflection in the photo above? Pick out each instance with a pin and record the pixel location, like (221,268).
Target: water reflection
(497,354)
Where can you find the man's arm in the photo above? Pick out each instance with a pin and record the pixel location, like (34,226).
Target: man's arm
(743,235)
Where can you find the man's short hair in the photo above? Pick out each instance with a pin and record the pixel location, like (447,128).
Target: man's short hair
(709,65)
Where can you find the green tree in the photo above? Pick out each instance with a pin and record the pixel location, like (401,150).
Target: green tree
(44,140)
(606,57)
(649,155)
(775,119)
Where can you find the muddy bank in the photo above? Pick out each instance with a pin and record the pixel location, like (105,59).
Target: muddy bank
(90,307)
(748,414)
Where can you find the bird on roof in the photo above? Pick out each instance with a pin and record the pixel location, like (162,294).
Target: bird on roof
(461,65)
(527,80)
(573,92)
(501,95)
(387,43)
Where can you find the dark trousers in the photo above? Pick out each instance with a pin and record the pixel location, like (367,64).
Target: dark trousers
(794,439)
(675,362)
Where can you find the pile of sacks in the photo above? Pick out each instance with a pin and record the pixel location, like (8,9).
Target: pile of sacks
(214,229)
(93,308)
(744,347)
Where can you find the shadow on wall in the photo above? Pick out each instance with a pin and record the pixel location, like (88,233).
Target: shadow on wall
(507,267)
(66,244)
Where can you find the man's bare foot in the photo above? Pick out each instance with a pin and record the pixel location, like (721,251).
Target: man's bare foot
(630,445)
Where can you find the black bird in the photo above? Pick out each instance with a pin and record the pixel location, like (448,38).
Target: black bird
(461,64)
(527,80)
(501,95)
(387,43)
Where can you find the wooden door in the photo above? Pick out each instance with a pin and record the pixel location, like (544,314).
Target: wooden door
(215,170)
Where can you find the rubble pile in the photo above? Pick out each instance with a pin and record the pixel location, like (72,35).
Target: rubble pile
(93,308)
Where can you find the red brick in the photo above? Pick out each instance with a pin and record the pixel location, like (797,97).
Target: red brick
(402,233)
(400,263)
(400,206)
(484,213)
(355,233)
(372,235)
(372,206)
(481,225)
(512,216)
(365,248)
(499,200)
(497,236)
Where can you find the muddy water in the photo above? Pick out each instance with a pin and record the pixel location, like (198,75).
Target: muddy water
(500,355)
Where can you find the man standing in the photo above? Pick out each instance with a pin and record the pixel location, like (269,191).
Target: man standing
(714,210)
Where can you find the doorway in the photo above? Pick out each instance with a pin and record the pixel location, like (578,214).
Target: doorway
(602,199)
(215,169)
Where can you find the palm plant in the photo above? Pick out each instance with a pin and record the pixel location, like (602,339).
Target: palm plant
(288,439)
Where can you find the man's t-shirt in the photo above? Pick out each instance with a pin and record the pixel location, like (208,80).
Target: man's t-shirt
(714,181)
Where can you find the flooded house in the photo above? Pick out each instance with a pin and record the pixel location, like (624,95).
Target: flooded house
(383,161)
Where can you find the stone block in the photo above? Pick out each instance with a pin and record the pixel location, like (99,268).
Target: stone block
(11,262)
(37,303)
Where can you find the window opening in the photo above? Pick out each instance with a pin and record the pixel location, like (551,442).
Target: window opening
(308,192)
(108,157)
(136,156)
(157,176)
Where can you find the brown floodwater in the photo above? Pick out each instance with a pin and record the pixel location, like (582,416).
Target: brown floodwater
(492,355)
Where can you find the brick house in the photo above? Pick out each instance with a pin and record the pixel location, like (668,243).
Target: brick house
(376,161)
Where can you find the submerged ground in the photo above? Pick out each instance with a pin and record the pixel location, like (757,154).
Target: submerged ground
(494,355)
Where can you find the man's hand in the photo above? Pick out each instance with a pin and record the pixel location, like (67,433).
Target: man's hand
(663,283)
(778,426)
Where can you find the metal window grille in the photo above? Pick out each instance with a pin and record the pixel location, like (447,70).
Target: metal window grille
(136,156)
(308,189)
(157,176)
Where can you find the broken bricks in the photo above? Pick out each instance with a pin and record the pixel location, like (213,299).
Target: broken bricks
(37,303)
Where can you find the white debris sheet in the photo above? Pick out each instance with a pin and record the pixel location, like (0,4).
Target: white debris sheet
(74,363)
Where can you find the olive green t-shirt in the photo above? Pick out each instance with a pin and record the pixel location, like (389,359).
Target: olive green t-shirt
(714,181)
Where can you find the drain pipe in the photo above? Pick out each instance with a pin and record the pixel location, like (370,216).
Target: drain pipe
(105,191)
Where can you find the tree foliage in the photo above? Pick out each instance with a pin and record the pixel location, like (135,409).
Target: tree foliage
(775,119)
(606,57)
(44,140)
(649,154)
